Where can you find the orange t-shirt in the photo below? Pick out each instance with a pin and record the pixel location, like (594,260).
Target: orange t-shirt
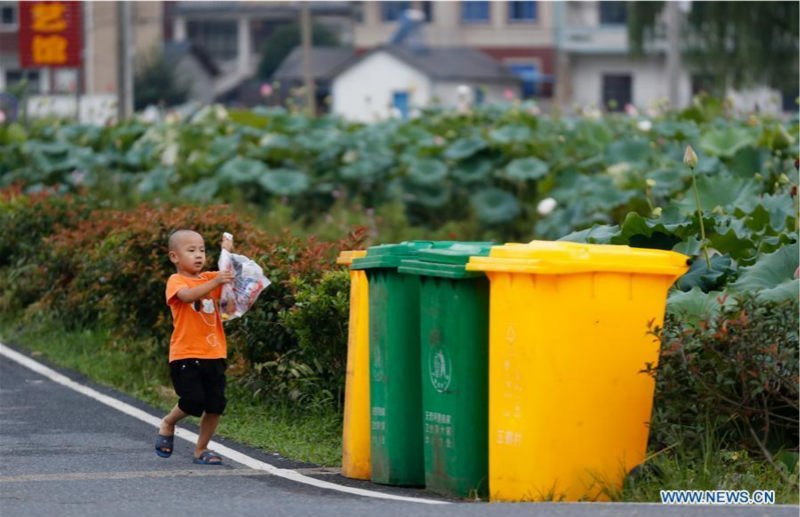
(197,327)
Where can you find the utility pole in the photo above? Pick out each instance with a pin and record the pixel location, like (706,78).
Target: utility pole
(124,61)
(308,79)
(673,21)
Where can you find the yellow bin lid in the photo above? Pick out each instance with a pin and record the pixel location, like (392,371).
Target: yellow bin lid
(557,257)
(346,257)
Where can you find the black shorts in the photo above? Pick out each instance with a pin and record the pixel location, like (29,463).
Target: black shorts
(200,384)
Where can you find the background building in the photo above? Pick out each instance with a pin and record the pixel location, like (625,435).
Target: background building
(233,33)
(395,80)
(53,90)
(562,53)
(595,65)
(518,34)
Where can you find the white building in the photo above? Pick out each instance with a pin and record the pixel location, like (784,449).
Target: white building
(594,64)
(394,80)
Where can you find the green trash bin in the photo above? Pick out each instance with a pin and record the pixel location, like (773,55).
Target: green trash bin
(395,400)
(454,334)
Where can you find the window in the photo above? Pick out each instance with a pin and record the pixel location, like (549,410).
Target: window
(427,9)
(392,11)
(8,16)
(613,13)
(475,12)
(529,75)
(789,99)
(702,83)
(218,38)
(522,11)
(616,91)
(400,101)
(14,77)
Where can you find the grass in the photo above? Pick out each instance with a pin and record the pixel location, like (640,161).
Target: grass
(110,361)
(316,437)
(713,469)
(710,465)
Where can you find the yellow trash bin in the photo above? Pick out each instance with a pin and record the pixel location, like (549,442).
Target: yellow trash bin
(569,405)
(355,430)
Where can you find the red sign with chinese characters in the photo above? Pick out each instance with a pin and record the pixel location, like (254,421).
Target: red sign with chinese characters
(50,34)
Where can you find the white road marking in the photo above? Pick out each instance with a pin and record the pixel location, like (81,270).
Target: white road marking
(192,437)
(93,476)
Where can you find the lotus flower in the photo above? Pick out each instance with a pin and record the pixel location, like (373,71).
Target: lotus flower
(546,206)
(690,157)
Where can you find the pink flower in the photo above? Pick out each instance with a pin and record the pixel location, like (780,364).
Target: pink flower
(336,194)
(631,110)
(438,140)
(266,90)
(509,94)
(370,212)
(2,116)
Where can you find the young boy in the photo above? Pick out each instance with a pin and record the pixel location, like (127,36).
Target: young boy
(197,350)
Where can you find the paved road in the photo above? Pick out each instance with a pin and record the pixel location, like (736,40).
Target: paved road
(66,454)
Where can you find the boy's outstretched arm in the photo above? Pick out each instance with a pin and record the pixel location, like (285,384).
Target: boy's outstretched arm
(190,294)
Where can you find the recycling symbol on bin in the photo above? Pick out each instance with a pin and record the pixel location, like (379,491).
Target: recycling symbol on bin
(440,370)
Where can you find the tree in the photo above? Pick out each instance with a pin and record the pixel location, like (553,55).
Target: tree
(281,42)
(730,43)
(156,83)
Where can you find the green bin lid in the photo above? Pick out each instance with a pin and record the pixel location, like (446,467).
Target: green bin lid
(390,255)
(449,262)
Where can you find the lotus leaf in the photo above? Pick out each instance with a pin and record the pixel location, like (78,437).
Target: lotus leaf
(430,197)
(284,182)
(720,190)
(769,271)
(630,150)
(203,190)
(464,148)
(773,212)
(668,181)
(473,170)
(725,142)
(427,172)
(524,169)
(695,306)
(511,134)
(239,171)
(747,161)
(495,206)
(699,275)
(788,290)
(157,180)
(598,234)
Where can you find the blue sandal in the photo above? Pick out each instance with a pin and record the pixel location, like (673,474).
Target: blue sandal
(164,442)
(208,458)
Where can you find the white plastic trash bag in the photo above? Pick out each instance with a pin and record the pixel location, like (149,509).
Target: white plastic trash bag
(248,282)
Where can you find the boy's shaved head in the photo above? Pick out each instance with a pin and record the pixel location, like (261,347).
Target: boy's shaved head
(178,235)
